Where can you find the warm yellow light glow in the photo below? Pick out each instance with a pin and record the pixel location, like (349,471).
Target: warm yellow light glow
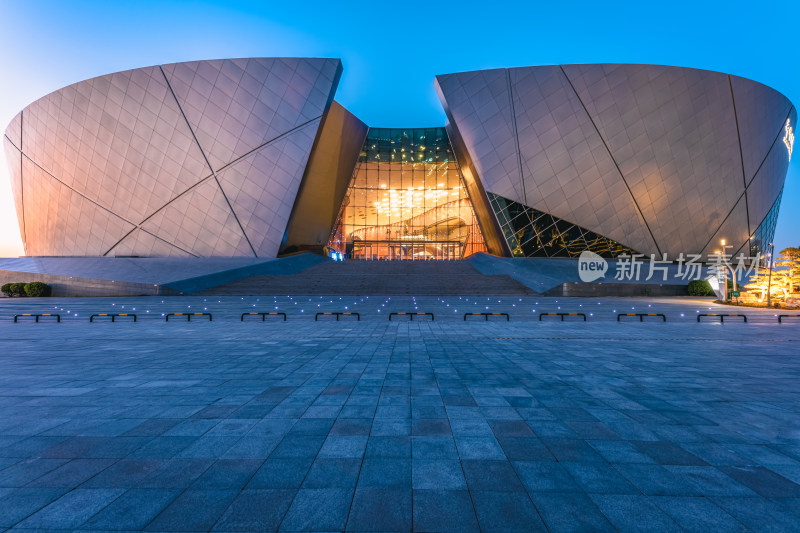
(788,138)
(716,252)
(722,242)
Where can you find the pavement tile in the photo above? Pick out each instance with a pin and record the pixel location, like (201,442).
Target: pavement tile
(351,426)
(433,448)
(72,474)
(299,446)
(255,510)
(545,476)
(193,510)
(278,473)
(18,504)
(336,446)
(72,509)
(575,450)
(711,481)
(327,472)
(668,453)
(318,510)
(495,476)
(380,509)
(620,451)
(230,474)
(503,511)
(570,512)
(599,478)
(445,474)
(657,480)
(23,472)
(634,513)
(389,447)
(759,514)
(697,514)
(763,481)
(525,449)
(443,511)
(133,510)
(126,473)
(381,472)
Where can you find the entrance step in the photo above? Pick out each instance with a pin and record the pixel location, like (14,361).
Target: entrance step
(389,278)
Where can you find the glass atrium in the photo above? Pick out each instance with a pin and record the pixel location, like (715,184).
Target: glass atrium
(407,201)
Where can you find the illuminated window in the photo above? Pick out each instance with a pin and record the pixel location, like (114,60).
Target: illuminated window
(407,200)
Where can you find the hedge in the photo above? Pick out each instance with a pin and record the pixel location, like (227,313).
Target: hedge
(699,287)
(34,289)
(37,289)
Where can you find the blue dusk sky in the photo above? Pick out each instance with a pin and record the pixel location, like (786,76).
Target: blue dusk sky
(391,51)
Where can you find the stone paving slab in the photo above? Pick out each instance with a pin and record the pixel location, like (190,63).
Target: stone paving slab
(397,426)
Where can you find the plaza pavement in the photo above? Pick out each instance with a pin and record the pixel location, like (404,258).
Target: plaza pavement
(397,426)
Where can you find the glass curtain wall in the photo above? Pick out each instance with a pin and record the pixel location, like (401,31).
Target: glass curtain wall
(407,201)
(532,233)
(759,241)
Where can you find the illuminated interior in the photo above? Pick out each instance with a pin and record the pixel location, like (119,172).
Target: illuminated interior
(407,201)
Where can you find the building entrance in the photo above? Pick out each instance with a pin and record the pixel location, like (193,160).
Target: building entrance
(407,201)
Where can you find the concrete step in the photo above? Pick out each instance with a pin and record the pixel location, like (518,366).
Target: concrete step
(390,278)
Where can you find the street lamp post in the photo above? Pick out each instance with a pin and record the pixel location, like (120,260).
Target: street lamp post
(769,279)
(725,267)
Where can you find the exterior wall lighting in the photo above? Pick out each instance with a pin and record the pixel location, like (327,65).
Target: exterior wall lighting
(769,279)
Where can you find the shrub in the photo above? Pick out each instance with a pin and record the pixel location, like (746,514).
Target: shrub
(6,289)
(17,289)
(37,289)
(699,287)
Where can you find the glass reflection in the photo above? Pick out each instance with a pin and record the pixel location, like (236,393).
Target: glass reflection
(532,233)
(766,230)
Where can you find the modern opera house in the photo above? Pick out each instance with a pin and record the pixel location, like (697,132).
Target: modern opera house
(255,158)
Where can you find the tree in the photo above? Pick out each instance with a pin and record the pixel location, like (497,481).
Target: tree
(761,281)
(786,275)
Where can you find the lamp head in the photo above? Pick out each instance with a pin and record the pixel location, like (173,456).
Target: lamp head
(722,242)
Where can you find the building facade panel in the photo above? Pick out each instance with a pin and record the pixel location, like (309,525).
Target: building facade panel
(59,220)
(567,170)
(672,132)
(480,104)
(14,131)
(761,113)
(119,139)
(263,185)
(14,161)
(236,105)
(143,244)
(768,181)
(201,222)
(734,230)
(327,176)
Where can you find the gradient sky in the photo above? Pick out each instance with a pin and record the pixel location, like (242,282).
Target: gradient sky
(391,51)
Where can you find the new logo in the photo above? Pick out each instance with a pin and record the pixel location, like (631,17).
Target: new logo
(591,266)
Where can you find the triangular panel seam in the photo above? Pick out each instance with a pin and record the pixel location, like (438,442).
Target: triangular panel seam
(76,191)
(516,135)
(778,136)
(741,155)
(203,153)
(613,159)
